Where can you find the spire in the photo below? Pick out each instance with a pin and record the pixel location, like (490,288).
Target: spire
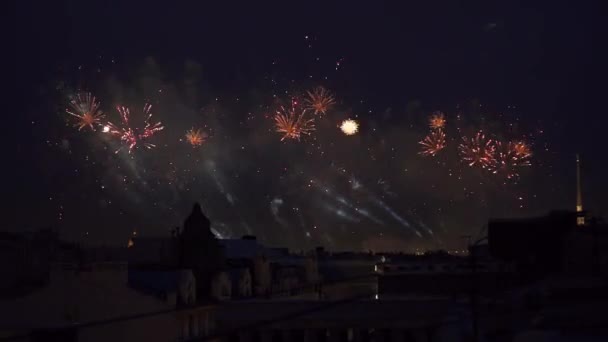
(580,219)
(197,224)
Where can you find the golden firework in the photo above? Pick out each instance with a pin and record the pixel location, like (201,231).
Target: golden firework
(292,123)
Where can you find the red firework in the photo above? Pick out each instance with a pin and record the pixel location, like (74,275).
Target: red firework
(510,157)
(478,151)
(433,143)
(128,135)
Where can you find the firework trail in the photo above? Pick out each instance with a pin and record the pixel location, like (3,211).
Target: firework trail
(293,123)
(349,127)
(396,216)
(319,100)
(437,120)
(433,143)
(275,205)
(362,212)
(355,183)
(196,137)
(478,151)
(340,213)
(86,109)
(212,171)
(128,135)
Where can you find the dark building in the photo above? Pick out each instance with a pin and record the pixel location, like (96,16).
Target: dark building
(549,245)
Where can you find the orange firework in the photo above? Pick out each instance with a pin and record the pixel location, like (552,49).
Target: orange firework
(196,137)
(437,120)
(292,123)
(521,149)
(319,100)
(433,143)
(478,151)
(509,157)
(85,108)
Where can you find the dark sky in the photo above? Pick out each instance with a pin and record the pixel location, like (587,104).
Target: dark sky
(516,71)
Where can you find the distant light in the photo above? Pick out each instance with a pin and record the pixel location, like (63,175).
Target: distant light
(376,296)
(375,268)
(106,129)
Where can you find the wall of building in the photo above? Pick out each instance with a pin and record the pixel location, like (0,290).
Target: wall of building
(77,295)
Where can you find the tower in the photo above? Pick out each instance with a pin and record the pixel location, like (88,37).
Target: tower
(580,218)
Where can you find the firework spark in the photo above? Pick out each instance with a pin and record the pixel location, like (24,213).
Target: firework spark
(349,126)
(196,137)
(128,135)
(437,120)
(319,100)
(510,157)
(86,109)
(292,122)
(478,151)
(433,143)
(522,150)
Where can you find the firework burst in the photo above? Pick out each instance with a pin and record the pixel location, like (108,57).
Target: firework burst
(510,157)
(478,151)
(86,109)
(128,135)
(292,122)
(319,100)
(349,127)
(437,120)
(196,137)
(433,143)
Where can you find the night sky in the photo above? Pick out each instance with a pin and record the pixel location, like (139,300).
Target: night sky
(533,73)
